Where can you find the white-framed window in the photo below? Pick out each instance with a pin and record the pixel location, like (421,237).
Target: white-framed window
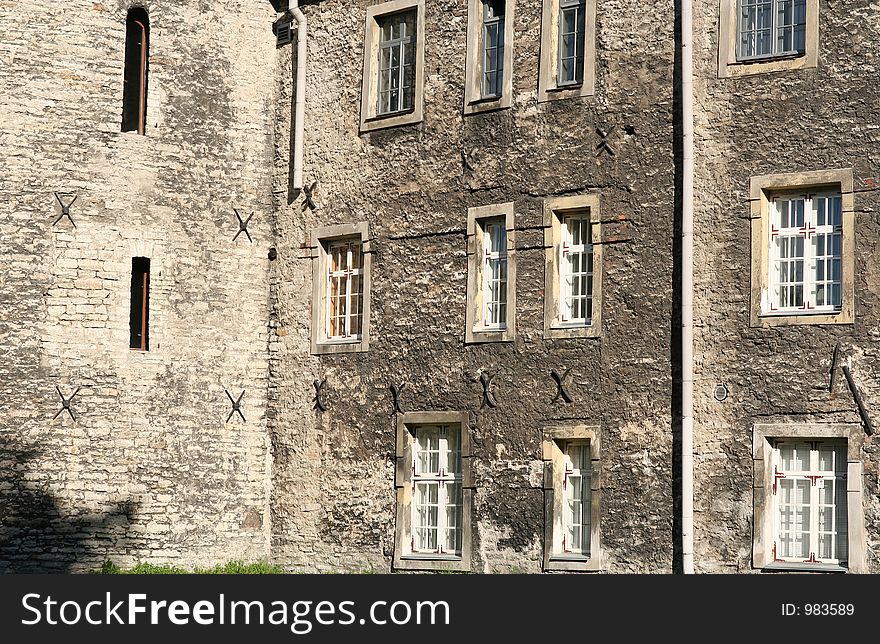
(488,74)
(345,292)
(492,45)
(434,484)
(803,248)
(576,491)
(573,257)
(568,49)
(808,508)
(494,274)
(809,502)
(576,268)
(394,60)
(806,246)
(759,36)
(397,61)
(437,493)
(571,455)
(572,35)
(341,262)
(771,28)
(491,305)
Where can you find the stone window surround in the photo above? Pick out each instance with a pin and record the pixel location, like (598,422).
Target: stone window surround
(369,119)
(729,67)
(403,487)
(762,435)
(319,239)
(474,312)
(761,189)
(473,101)
(552,454)
(553,209)
(547,77)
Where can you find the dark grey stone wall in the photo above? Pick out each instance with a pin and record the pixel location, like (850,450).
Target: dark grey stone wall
(333,495)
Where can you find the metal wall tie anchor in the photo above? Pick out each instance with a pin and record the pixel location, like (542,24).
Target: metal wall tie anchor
(65,209)
(488,396)
(395,398)
(560,386)
(242,226)
(236,405)
(319,400)
(603,145)
(65,403)
(309,193)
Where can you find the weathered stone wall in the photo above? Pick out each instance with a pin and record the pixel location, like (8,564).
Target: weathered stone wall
(791,121)
(333,481)
(149,470)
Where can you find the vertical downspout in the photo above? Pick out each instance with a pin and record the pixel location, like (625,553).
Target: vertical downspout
(687,288)
(299,116)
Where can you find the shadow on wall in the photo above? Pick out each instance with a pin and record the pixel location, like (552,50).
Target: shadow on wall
(38,535)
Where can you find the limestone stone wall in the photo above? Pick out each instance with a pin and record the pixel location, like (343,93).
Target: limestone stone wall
(333,498)
(150,470)
(781,122)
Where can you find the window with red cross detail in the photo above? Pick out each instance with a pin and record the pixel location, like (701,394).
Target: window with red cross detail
(806,238)
(436,490)
(809,499)
(345,290)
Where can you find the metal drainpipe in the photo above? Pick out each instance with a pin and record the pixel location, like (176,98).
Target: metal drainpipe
(299,117)
(687,288)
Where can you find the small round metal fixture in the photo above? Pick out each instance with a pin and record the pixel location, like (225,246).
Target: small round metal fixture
(720,392)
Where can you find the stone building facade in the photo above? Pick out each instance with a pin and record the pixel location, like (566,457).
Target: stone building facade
(777,129)
(315,351)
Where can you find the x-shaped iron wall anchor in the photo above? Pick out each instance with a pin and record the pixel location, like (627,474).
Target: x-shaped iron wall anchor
(309,192)
(319,400)
(236,405)
(603,145)
(560,386)
(242,226)
(395,397)
(65,403)
(488,396)
(65,209)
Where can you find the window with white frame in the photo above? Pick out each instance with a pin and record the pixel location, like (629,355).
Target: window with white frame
(808,507)
(488,80)
(397,53)
(802,248)
(806,245)
(493,48)
(345,289)
(491,274)
(770,28)
(393,71)
(809,499)
(571,497)
(572,280)
(572,17)
(568,49)
(437,497)
(434,485)
(576,267)
(494,274)
(576,490)
(759,36)
(341,288)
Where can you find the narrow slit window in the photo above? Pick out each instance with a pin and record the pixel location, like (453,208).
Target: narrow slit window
(134,89)
(495,274)
(140,304)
